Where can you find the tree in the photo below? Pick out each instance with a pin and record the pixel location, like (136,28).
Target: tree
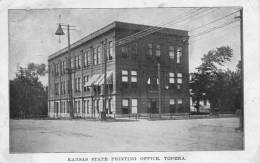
(27,94)
(221,87)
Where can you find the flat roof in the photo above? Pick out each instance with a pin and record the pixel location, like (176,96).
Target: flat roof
(113,25)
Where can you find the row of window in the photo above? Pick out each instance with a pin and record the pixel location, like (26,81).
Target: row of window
(125,102)
(76,61)
(96,104)
(86,108)
(133,77)
(153,50)
(126,77)
(60,68)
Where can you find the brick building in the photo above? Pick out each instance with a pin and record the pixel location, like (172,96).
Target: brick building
(131,73)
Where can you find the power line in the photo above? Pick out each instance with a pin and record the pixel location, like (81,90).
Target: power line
(193,40)
(212,29)
(159,28)
(154,29)
(214,21)
(192,16)
(150,28)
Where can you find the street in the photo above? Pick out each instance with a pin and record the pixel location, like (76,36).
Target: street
(125,135)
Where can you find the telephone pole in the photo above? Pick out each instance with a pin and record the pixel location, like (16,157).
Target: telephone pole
(241,122)
(69,69)
(241,125)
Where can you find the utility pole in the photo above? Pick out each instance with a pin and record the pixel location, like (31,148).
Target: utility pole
(105,74)
(241,122)
(241,125)
(69,70)
(68,65)
(159,87)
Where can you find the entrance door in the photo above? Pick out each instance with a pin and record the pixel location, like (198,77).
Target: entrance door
(172,106)
(134,106)
(154,107)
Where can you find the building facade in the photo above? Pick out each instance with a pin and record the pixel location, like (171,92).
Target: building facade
(115,71)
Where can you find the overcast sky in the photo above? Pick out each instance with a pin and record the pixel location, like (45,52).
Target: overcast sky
(32,39)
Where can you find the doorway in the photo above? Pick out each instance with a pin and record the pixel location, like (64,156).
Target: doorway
(153,106)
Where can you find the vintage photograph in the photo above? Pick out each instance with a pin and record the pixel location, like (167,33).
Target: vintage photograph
(155,79)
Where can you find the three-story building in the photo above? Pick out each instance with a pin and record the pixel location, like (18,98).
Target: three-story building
(128,81)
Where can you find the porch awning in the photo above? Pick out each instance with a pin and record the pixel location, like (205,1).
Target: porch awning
(100,80)
(92,80)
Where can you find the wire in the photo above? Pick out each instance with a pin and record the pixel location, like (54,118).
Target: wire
(148,29)
(194,40)
(192,16)
(152,29)
(194,29)
(212,29)
(159,28)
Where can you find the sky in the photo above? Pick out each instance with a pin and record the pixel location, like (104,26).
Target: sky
(32,39)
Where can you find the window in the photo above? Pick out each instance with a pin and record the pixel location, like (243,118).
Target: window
(150,50)
(76,62)
(89,58)
(179,101)
(76,84)
(87,106)
(84,107)
(95,58)
(172,102)
(171,52)
(75,106)
(68,110)
(149,81)
(71,63)
(134,105)
(97,105)
(64,66)
(98,54)
(110,50)
(56,88)
(63,87)
(124,76)
(134,76)
(57,69)
(171,78)
(86,58)
(134,50)
(52,69)
(61,107)
(85,82)
(179,78)
(79,61)
(124,51)
(61,70)
(125,103)
(78,106)
(179,54)
(64,107)
(79,84)
(158,51)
